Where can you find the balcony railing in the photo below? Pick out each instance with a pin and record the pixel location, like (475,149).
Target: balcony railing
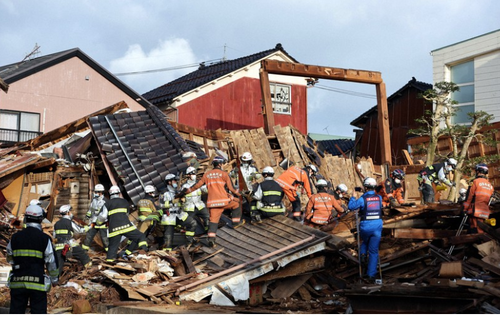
(15,135)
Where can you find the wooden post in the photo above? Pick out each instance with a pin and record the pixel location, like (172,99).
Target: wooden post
(267,110)
(383,124)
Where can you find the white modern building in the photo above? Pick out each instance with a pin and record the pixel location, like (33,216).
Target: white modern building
(474,65)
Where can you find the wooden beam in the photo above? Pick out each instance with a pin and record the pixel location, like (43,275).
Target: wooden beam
(416,233)
(383,124)
(187,259)
(314,71)
(295,268)
(267,110)
(484,265)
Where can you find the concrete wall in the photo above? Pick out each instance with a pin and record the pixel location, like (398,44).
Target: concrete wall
(63,93)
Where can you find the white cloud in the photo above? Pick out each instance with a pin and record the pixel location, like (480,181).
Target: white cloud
(168,54)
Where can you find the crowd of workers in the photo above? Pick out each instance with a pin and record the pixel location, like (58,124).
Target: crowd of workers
(184,206)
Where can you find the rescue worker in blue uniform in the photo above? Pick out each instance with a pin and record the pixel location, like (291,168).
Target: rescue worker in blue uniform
(29,252)
(66,246)
(115,213)
(370,225)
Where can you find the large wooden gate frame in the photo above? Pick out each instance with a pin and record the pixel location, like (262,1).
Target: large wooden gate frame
(320,72)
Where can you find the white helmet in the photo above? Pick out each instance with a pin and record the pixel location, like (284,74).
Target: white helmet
(246,156)
(462,191)
(370,183)
(452,162)
(149,189)
(169,177)
(65,209)
(313,168)
(268,170)
(35,202)
(191,170)
(321,183)
(342,188)
(188,154)
(99,188)
(34,212)
(114,190)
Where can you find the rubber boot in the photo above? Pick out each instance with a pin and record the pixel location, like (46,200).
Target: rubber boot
(168,237)
(212,229)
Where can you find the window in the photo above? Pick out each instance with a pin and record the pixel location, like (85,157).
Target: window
(463,76)
(281,96)
(18,126)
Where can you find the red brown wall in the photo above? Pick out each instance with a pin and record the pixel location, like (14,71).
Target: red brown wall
(238,106)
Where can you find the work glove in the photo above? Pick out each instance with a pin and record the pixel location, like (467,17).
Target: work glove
(181,194)
(453,184)
(86,228)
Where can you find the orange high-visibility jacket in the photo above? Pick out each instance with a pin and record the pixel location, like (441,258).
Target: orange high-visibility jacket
(289,181)
(216,181)
(387,191)
(478,199)
(320,207)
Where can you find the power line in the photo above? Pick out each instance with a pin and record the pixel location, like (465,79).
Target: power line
(165,69)
(349,92)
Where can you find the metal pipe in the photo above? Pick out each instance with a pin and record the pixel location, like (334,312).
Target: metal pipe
(217,275)
(123,150)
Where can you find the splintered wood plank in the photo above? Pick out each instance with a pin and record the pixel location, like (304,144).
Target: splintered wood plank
(298,267)
(287,145)
(187,259)
(266,147)
(285,288)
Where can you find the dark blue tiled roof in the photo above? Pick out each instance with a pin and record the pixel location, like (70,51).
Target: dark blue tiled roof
(346,145)
(148,149)
(203,75)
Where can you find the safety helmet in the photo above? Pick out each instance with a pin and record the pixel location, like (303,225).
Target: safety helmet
(452,162)
(218,160)
(342,188)
(64,209)
(191,170)
(114,190)
(268,170)
(246,156)
(188,154)
(462,191)
(313,168)
(149,189)
(35,202)
(34,213)
(398,174)
(99,188)
(321,183)
(169,177)
(482,168)
(370,183)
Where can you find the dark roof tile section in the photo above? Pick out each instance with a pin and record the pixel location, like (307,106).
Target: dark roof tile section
(204,74)
(142,148)
(419,85)
(330,146)
(277,240)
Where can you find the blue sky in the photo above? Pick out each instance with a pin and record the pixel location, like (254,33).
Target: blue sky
(390,36)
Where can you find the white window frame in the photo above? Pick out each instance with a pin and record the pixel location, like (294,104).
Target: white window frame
(281,101)
(17,134)
(461,85)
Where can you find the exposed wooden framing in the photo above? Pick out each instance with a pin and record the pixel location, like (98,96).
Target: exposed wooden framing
(484,265)
(313,71)
(3,85)
(183,128)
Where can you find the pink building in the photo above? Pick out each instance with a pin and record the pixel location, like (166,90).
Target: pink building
(50,91)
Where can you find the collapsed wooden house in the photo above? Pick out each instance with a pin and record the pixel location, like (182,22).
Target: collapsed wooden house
(281,265)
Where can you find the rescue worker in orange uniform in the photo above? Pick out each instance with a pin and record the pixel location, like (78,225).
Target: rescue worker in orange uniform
(290,180)
(218,200)
(322,206)
(391,190)
(477,205)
